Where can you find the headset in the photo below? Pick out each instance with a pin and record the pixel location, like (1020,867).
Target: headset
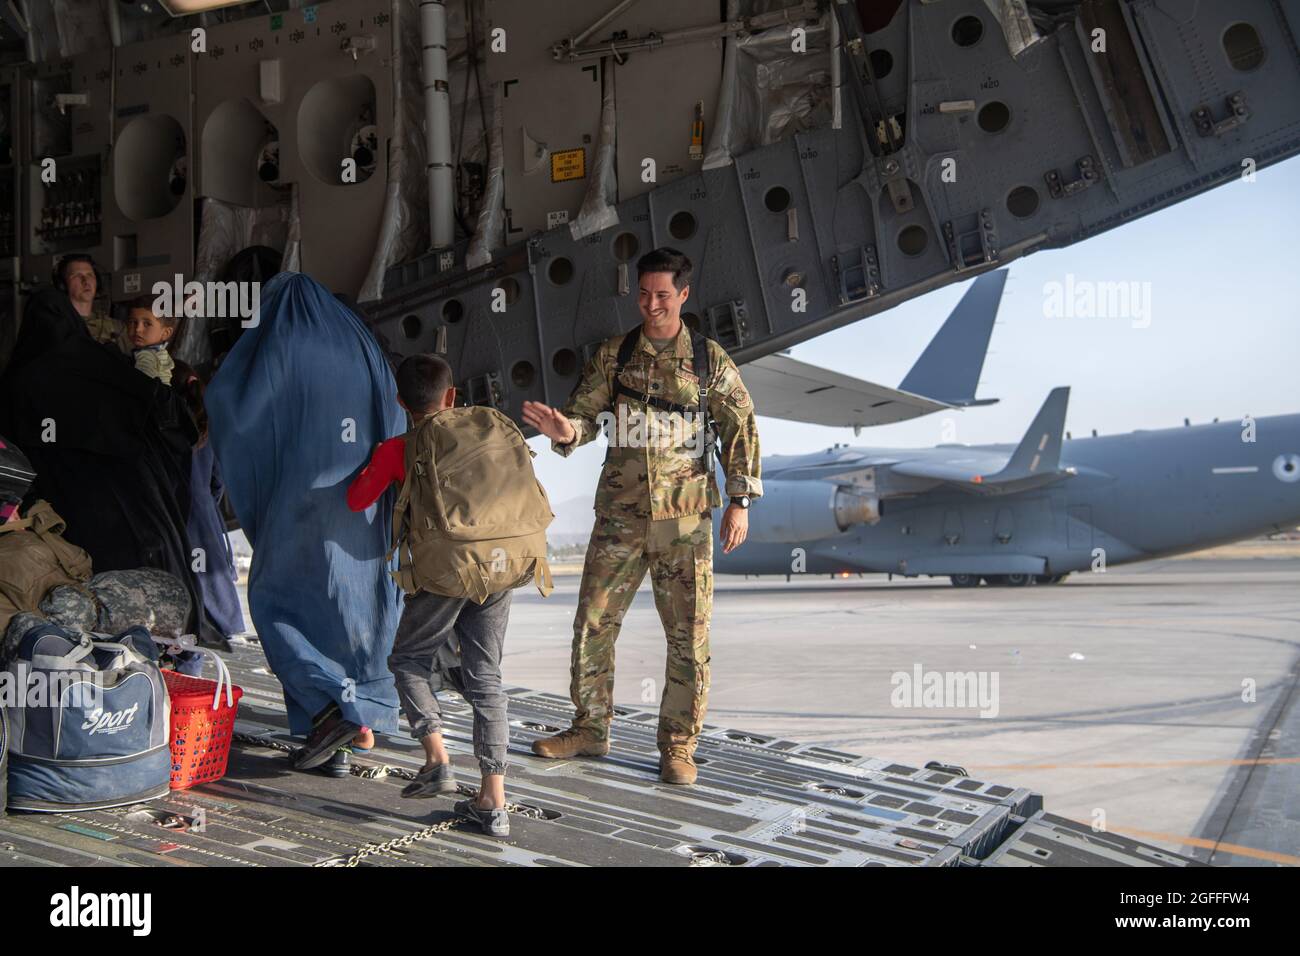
(61,264)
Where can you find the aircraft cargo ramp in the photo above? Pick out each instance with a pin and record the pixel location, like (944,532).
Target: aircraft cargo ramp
(759,802)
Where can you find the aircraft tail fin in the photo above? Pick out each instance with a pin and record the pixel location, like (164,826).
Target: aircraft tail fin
(949,369)
(1039,452)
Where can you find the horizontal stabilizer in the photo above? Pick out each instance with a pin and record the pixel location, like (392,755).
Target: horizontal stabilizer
(783,387)
(949,369)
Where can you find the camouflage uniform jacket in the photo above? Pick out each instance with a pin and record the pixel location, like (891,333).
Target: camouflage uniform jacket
(106,330)
(662,475)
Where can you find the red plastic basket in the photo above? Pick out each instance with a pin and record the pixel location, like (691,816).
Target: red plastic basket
(200,733)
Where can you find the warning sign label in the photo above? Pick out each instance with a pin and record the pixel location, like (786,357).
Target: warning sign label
(568,164)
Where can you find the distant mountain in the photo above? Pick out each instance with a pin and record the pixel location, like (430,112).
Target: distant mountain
(573,521)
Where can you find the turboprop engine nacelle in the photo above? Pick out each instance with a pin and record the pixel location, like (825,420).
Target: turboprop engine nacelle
(808,511)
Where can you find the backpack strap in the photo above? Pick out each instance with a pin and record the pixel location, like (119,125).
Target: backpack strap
(18,524)
(542,577)
(617,387)
(625,349)
(401,518)
(702,361)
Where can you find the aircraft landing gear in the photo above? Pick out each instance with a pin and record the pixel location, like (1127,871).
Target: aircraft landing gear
(1004,580)
(1008,580)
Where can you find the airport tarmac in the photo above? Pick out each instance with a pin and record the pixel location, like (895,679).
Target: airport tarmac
(1119,695)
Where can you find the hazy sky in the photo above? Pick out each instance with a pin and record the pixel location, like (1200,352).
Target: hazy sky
(1222,341)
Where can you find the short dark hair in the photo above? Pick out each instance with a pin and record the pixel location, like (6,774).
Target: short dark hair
(421,380)
(666,259)
(146,303)
(61,268)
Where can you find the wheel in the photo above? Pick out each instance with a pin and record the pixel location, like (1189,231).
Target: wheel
(964,580)
(1019,580)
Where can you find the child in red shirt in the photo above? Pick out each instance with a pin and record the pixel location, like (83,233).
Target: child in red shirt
(387,465)
(430,621)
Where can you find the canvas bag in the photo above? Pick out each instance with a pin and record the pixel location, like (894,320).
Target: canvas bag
(34,558)
(79,751)
(471,517)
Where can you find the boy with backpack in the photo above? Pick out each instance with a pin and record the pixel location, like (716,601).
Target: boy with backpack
(469,525)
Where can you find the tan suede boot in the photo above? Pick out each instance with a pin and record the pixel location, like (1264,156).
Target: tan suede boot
(677,765)
(574,742)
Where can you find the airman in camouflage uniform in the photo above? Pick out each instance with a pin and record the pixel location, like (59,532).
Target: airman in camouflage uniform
(653,513)
(77,276)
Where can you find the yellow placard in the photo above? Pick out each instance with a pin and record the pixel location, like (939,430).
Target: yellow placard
(568,164)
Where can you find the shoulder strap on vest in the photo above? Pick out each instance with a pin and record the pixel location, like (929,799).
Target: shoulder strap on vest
(702,361)
(625,350)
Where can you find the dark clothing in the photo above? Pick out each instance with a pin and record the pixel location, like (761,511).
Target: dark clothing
(429,621)
(207,530)
(49,320)
(117,463)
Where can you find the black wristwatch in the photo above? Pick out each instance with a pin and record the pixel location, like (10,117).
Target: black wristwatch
(741,500)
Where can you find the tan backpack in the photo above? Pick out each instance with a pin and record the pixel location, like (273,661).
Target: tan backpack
(34,558)
(471,517)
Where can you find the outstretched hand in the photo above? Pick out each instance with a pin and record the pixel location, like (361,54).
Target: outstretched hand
(549,421)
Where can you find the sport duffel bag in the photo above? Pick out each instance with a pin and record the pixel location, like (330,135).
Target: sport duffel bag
(90,731)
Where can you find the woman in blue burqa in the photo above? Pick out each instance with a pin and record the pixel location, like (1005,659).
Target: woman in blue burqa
(293,413)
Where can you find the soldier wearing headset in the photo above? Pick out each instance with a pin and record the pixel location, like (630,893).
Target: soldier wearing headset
(77,275)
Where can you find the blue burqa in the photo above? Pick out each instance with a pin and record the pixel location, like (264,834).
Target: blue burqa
(294,412)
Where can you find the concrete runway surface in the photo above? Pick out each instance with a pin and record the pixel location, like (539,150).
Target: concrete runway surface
(1119,695)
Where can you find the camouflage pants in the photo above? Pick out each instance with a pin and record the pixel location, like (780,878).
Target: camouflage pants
(679,555)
